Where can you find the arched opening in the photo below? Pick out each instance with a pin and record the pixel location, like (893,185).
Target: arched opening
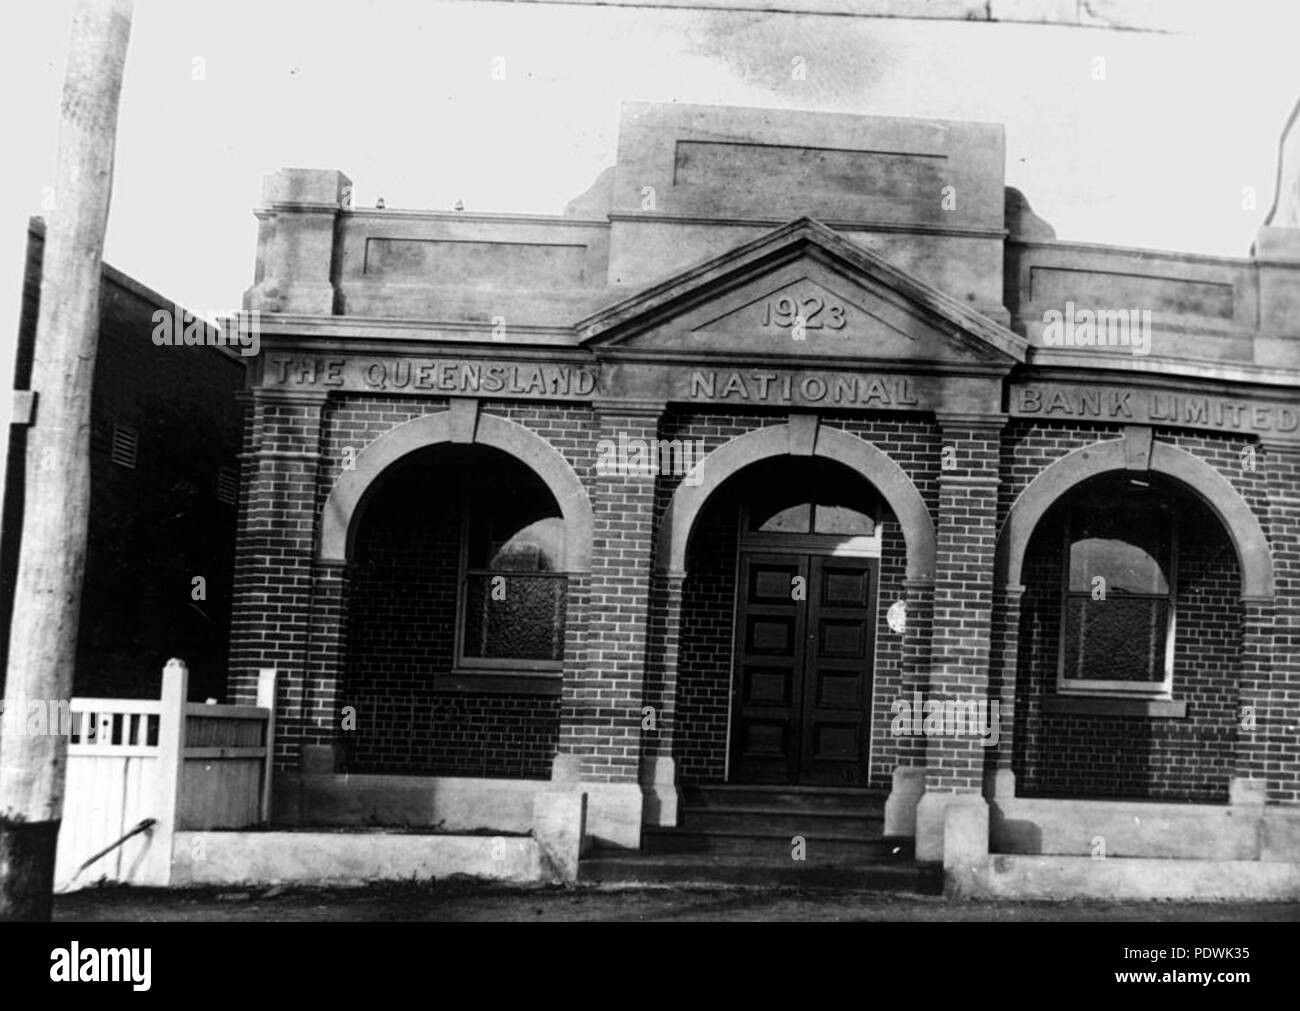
(801,436)
(456,618)
(461,424)
(786,663)
(1129,645)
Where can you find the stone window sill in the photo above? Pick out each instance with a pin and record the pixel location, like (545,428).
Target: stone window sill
(505,682)
(1105,705)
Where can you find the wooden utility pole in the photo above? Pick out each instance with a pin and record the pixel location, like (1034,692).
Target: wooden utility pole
(47,597)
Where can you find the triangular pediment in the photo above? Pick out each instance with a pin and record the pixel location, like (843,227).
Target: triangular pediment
(802,291)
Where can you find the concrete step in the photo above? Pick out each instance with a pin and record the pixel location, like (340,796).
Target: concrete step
(775,845)
(799,798)
(759,820)
(896,875)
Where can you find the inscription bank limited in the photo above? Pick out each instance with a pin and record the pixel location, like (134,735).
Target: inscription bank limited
(1153,407)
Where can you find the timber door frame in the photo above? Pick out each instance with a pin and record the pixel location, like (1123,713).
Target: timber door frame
(827,546)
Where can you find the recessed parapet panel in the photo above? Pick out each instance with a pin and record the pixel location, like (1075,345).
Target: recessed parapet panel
(525,264)
(1177,296)
(1192,293)
(1138,310)
(496,271)
(699,161)
(882,185)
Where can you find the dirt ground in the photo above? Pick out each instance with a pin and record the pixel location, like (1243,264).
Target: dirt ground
(464,900)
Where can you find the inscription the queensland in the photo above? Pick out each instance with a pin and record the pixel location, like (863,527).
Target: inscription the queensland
(459,376)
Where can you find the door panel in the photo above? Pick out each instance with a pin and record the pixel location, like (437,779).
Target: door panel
(803,670)
(837,670)
(769,667)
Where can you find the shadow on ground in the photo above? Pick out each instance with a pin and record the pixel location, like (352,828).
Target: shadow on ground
(468,900)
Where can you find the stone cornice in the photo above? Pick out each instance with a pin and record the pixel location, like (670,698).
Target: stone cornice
(994,422)
(277,394)
(303,328)
(1216,385)
(910,228)
(1081,364)
(1234,262)
(811,363)
(637,408)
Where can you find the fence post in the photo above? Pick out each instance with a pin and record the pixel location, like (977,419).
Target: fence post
(266,700)
(171,767)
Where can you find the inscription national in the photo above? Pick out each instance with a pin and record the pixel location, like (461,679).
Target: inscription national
(792,387)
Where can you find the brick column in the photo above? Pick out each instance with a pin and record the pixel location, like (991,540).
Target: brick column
(909,776)
(322,747)
(1004,660)
(1249,785)
(1266,769)
(600,713)
(274,558)
(658,771)
(963,604)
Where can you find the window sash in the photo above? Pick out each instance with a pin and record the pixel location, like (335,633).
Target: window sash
(1157,689)
(467,661)
(463,663)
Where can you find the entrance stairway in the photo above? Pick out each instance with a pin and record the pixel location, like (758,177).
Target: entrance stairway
(750,834)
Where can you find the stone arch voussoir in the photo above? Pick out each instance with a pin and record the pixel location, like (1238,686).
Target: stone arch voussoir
(341,507)
(871,463)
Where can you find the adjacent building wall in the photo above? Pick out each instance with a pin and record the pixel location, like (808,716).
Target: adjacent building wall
(154,527)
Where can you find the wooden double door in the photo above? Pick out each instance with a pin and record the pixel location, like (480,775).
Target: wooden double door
(801,701)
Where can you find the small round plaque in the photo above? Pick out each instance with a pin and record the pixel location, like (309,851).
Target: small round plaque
(897,616)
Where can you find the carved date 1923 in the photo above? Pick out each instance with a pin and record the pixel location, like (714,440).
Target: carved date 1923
(811,313)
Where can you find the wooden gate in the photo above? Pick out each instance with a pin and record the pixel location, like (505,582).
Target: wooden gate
(185,765)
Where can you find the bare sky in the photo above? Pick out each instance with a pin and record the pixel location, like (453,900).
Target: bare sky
(400,95)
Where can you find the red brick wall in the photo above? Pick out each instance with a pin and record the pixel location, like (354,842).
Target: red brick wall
(1188,759)
(708,593)
(356,421)
(411,728)
(704,663)
(888,675)
(401,631)
(603,698)
(274,563)
(1279,673)
(303,449)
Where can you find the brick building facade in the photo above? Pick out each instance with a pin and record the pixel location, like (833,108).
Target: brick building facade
(893,465)
(164,459)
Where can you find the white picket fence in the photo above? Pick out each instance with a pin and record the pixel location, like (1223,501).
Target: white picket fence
(186,765)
